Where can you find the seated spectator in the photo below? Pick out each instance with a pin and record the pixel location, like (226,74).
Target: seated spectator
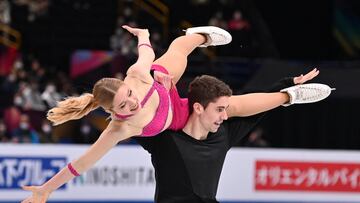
(28,97)
(12,118)
(24,133)
(238,22)
(7,91)
(45,133)
(50,95)
(4,134)
(218,20)
(243,43)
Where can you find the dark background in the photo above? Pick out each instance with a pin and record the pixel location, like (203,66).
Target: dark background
(287,38)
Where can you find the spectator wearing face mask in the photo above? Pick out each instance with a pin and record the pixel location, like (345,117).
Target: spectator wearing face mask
(24,133)
(46,132)
(28,97)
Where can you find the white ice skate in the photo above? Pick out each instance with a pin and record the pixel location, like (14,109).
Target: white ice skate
(307,93)
(215,36)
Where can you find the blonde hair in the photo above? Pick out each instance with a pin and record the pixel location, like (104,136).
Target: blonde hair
(74,108)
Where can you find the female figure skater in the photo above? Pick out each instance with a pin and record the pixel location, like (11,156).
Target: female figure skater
(139,106)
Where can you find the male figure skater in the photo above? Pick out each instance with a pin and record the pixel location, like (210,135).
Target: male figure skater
(188,162)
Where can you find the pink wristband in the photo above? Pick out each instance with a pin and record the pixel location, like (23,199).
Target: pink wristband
(72,170)
(144,44)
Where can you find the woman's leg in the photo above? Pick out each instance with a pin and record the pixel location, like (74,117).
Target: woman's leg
(175,58)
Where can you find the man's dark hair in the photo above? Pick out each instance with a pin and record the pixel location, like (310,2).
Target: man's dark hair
(205,89)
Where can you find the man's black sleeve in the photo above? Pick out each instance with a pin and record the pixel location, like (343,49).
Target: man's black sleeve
(148,143)
(239,127)
(281,84)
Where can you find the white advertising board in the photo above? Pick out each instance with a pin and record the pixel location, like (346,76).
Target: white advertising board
(280,175)
(126,174)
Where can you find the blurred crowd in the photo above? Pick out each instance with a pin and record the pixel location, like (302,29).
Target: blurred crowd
(30,89)
(27,93)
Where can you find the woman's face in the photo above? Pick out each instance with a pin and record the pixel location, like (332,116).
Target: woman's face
(126,101)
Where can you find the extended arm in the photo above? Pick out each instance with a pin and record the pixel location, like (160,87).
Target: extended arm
(114,133)
(141,68)
(254,103)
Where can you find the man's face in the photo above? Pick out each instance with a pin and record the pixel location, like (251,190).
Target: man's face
(214,114)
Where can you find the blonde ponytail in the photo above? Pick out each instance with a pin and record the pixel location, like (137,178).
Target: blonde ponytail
(72,108)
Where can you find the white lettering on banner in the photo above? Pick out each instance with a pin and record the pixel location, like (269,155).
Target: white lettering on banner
(116,176)
(296,174)
(9,168)
(354,177)
(16,172)
(2,178)
(276,175)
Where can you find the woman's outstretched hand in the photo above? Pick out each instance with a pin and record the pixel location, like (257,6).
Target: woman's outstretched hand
(38,194)
(304,78)
(137,31)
